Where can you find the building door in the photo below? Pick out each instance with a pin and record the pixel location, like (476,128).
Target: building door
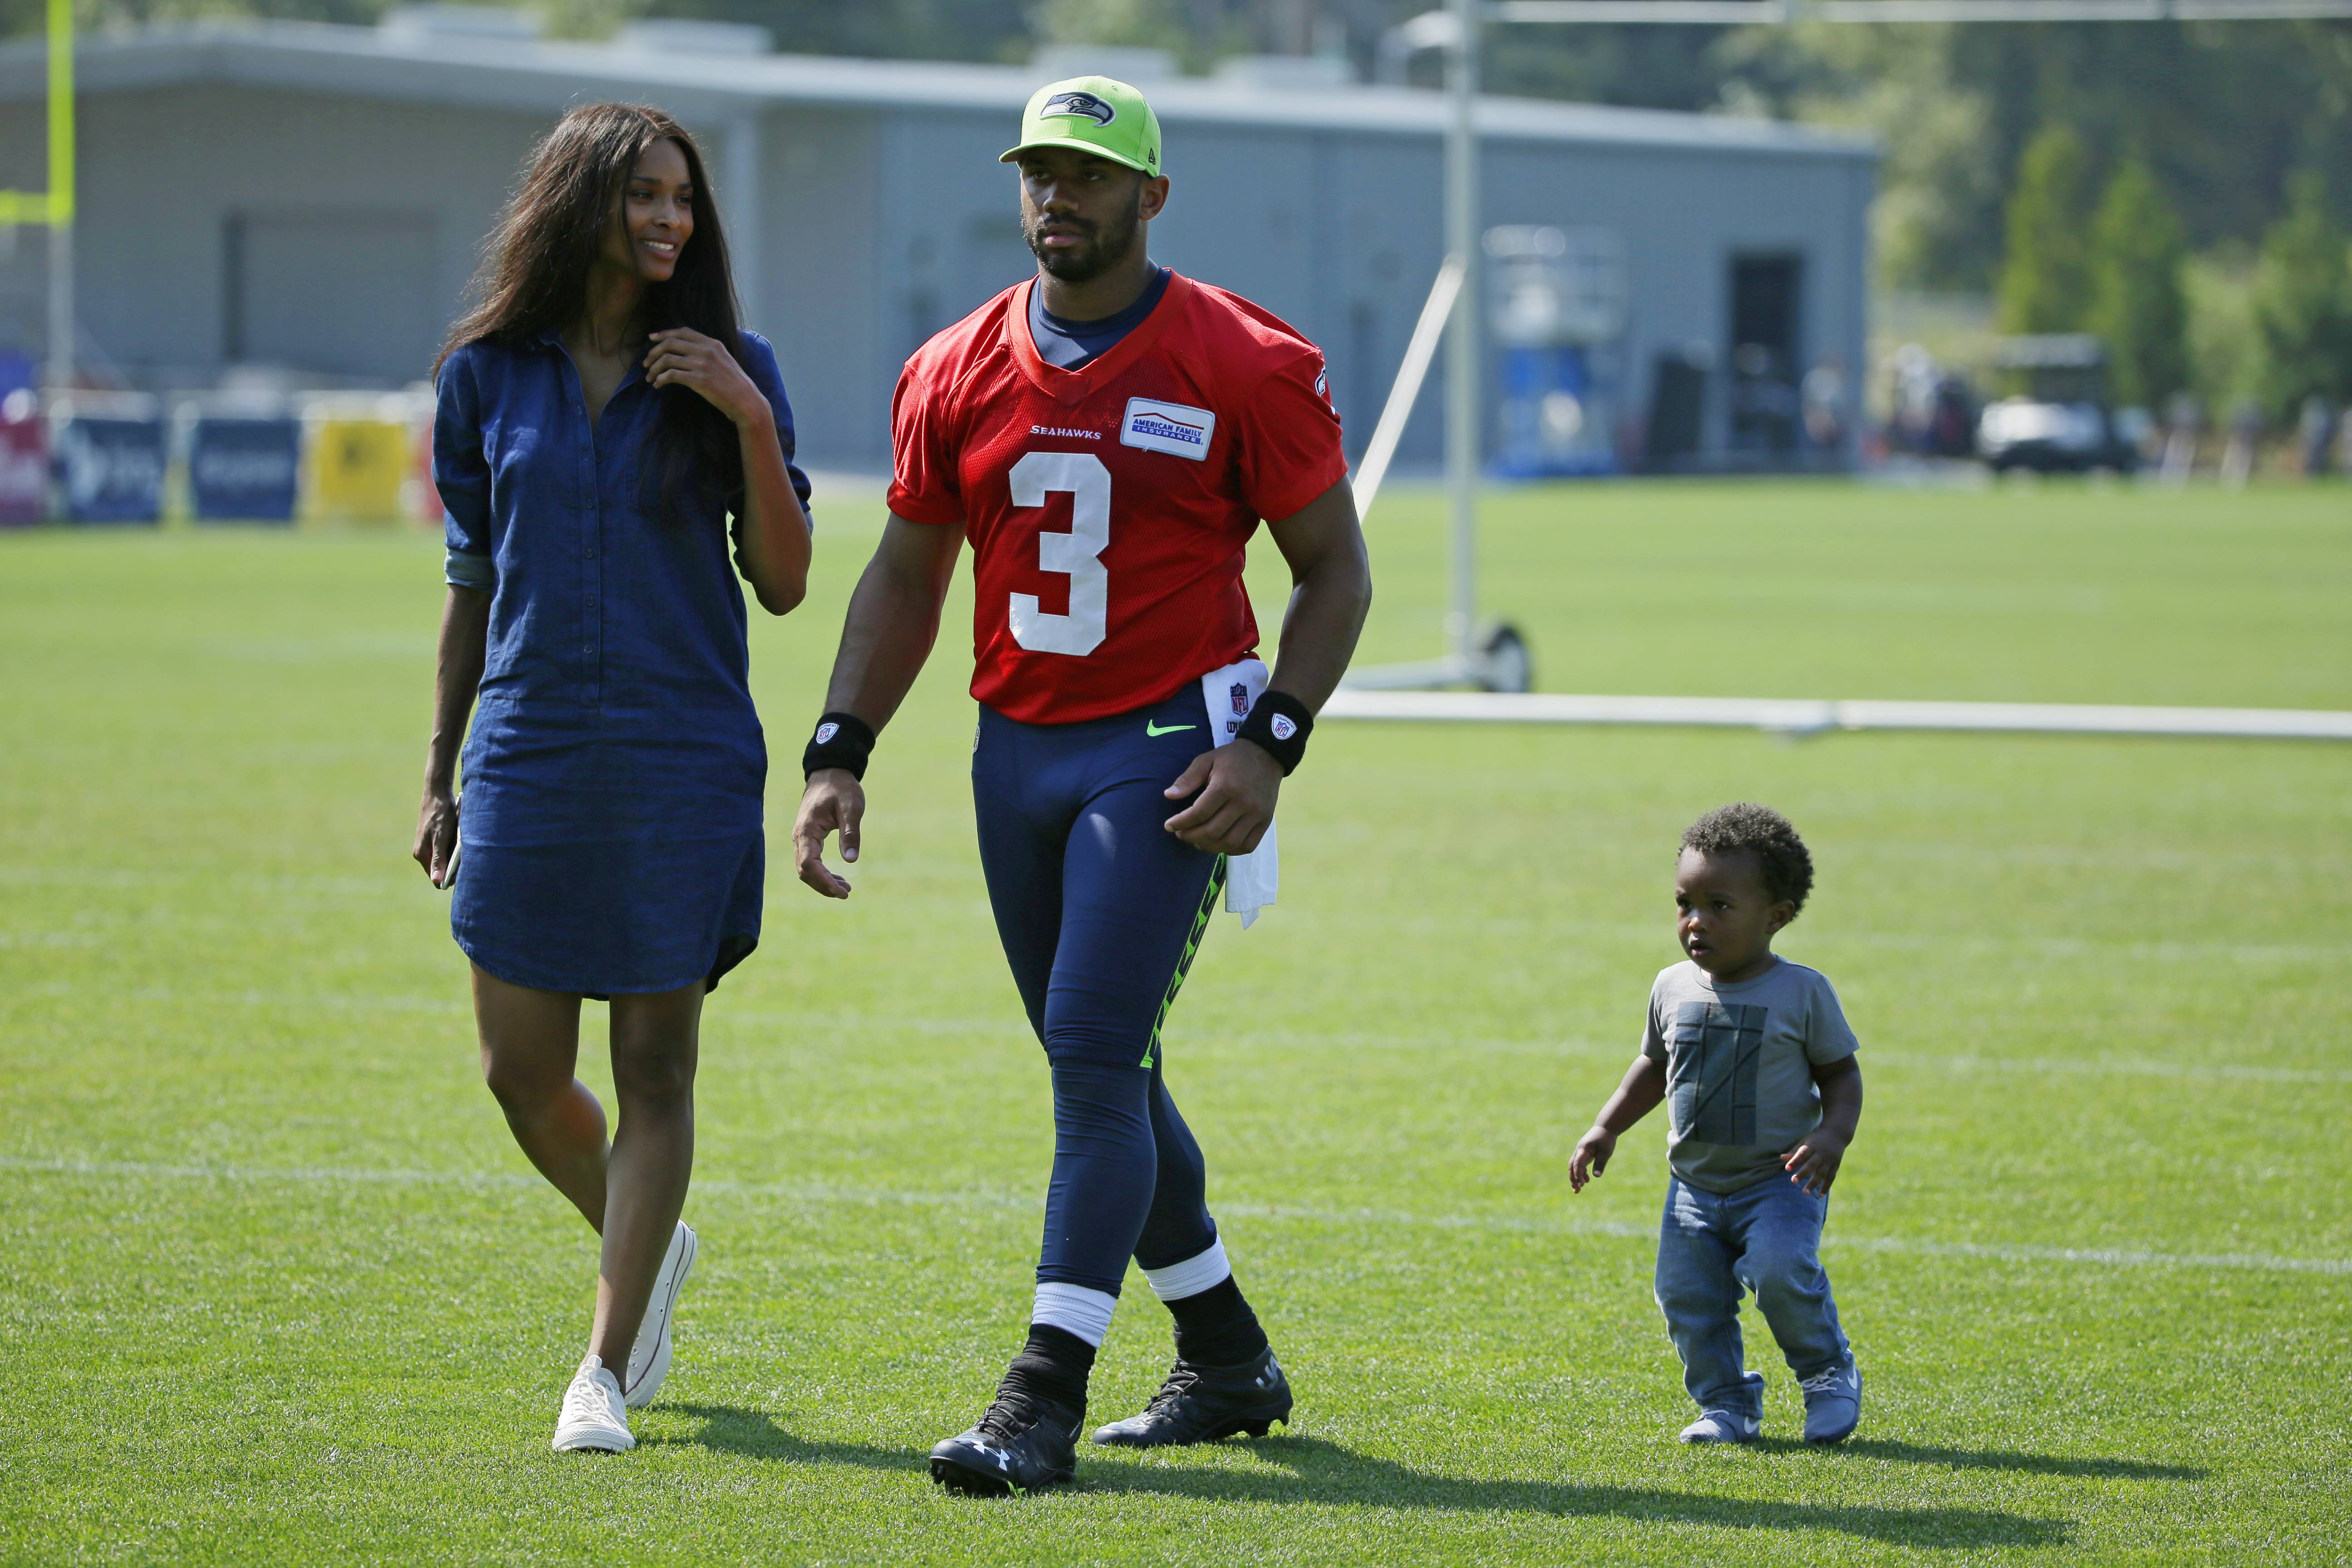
(340,293)
(1765,348)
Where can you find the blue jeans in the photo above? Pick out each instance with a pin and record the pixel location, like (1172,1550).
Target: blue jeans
(1713,1247)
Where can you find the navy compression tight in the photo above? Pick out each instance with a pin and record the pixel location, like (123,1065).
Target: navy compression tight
(1100,909)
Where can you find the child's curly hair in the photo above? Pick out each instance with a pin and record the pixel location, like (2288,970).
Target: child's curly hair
(1745,828)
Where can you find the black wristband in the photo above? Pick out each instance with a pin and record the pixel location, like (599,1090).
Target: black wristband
(842,741)
(1280,723)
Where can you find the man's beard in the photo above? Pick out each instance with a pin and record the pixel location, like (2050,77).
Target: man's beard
(1104,251)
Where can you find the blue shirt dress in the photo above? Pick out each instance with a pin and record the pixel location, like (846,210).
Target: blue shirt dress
(613,780)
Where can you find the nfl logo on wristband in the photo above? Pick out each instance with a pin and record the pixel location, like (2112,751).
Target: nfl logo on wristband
(842,741)
(1279,723)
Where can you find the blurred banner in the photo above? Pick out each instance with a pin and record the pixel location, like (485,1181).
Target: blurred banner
(111,465)
(245,470)
(357,468)
(24,461)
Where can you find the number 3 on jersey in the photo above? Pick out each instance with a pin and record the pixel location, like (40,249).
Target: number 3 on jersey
(1078,553)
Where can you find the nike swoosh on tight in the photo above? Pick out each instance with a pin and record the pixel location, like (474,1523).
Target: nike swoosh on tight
(1149,728)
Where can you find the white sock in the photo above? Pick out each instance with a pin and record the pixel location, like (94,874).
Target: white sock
(1201,1271)
(1076,1310)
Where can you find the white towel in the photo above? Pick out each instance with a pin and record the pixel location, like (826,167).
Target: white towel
(1252,879)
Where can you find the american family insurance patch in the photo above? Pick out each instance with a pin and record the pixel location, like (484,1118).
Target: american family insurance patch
(1166,427)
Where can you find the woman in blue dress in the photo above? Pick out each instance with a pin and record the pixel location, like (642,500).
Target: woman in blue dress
(601,417)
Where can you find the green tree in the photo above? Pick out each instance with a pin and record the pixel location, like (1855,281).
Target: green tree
(2302,302)
(1150,24)
(2045,281)
(2225,347)
(2138,306)
(2221,111)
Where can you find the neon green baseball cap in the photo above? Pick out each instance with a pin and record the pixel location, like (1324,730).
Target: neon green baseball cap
(1092,114)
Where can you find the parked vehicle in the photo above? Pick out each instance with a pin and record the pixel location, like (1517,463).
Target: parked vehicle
(2057,418)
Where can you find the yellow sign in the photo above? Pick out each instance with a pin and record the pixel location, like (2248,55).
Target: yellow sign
(357,467)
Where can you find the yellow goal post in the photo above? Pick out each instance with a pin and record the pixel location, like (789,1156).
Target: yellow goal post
(53,207)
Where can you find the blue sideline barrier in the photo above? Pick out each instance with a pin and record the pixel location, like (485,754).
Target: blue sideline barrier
(112,469)
(245,470)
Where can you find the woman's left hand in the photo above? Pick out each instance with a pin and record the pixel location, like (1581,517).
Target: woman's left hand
(680,356)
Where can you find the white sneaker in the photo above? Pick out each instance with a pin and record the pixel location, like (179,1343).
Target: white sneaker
(649,1357)
(594,1417)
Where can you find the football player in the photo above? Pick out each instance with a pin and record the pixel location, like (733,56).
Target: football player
(1107,436)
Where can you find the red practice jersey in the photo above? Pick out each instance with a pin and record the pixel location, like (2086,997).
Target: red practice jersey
(1108,507)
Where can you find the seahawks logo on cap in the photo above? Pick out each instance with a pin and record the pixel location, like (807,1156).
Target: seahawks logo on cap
(1080,103)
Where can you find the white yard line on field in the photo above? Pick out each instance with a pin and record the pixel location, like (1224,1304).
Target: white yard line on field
(982,1197)
(2118,1258)
(2128,1067)
(830,1026)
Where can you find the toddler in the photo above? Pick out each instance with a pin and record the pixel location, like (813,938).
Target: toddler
(1756,1063)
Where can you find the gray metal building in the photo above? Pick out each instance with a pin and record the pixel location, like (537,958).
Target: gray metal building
(313,197)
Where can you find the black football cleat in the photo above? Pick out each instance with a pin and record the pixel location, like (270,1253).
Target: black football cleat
(1023,1443)
(1202,1404)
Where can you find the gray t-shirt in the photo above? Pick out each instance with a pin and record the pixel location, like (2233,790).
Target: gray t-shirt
(1739,1061)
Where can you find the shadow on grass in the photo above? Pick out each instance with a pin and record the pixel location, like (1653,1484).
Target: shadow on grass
(730,1429)
(1996,1459)
(1311,1470)
(1323,1472)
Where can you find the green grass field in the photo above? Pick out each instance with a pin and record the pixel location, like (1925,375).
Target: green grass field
(275,1285)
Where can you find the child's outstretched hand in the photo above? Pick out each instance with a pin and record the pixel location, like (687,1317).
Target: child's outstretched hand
(1813,1163)
(1591,1157)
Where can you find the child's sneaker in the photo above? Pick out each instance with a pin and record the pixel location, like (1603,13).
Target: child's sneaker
(1722,1426)
(1833,1404)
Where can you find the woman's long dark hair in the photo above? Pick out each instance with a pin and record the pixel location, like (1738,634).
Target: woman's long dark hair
(535,267)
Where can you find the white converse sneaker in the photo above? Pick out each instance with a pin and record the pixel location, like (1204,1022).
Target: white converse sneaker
(649,1357)
(594,1417)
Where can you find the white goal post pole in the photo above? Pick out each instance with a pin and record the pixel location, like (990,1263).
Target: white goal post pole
(1463,363)
(1373,467)
(1452,302)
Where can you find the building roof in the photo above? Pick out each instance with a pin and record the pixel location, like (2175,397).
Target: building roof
(531,74)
